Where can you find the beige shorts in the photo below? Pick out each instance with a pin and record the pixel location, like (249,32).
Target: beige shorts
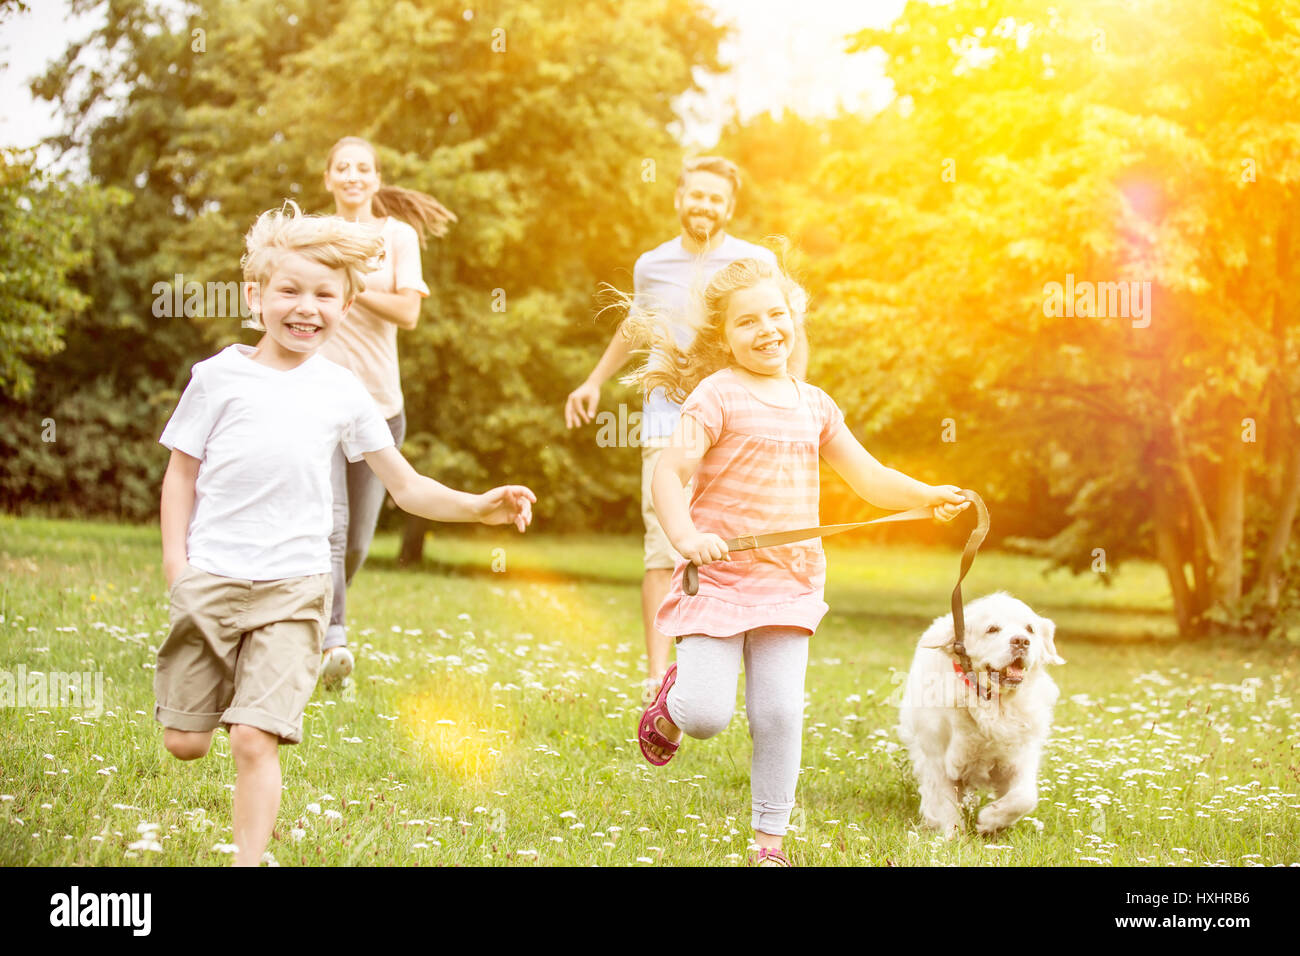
(659,554)
(241,652)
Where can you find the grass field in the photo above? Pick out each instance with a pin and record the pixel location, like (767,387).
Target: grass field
(493,719)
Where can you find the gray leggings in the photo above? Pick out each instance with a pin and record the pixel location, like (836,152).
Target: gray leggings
(703,698)
(358,496)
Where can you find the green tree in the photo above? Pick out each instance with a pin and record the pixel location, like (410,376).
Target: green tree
(43,227)
(1036,143)
(49,228)
(533,121)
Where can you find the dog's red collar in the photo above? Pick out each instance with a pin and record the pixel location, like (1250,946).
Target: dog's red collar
(985,693)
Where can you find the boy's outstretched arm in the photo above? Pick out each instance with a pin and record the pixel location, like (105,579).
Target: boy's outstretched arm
(420,495)
(886,487)
(176,507)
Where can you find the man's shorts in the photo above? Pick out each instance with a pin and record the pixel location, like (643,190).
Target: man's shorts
(659,554)
(241,652)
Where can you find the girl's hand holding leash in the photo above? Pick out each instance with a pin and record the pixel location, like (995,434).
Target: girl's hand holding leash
(948,502)
(508,504)
(701,547)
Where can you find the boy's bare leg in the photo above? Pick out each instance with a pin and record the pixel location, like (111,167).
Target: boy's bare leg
(187,744)
(257,790)
(654,588)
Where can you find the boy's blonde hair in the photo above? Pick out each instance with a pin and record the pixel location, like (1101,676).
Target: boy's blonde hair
(679,370)
(352,248)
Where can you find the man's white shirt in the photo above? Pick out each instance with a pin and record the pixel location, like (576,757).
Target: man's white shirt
(664,280)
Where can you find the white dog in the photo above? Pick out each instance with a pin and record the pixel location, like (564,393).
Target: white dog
(980,721)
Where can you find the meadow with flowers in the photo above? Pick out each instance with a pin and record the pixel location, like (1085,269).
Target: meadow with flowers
(492,721)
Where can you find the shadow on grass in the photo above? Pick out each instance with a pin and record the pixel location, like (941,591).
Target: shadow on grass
(907,622)
(1115,609)
(452,569)
(1142,619)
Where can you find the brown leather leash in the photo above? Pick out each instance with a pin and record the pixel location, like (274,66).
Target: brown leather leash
(973,542)
(691,577)
(746,542)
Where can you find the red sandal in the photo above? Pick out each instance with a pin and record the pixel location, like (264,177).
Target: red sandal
(647,733)
(776,858)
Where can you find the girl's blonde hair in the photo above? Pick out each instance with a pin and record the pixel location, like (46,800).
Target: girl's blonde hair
(676,370)
(350,247)
(417,209)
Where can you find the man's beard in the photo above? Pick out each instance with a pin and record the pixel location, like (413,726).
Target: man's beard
(715,225)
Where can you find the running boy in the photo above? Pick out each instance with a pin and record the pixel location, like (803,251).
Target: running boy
(246,509)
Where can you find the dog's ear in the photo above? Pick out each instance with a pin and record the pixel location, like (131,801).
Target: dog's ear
(940,634)
(1049,641)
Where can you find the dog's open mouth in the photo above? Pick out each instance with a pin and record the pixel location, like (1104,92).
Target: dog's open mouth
(1013,673)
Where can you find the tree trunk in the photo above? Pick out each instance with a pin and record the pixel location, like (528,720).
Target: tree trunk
(1286,496)
(1231,521)
(1200,567)
(1207,540)
(1279,536)
(1174,561)
(411,553)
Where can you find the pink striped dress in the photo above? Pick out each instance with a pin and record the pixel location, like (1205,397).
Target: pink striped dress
(760,475)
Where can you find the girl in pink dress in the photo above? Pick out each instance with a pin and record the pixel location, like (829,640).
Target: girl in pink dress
(750,436)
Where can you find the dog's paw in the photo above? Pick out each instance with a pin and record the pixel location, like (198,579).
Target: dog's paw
(947,834)
(1006,811)
(948,826)
(993,819)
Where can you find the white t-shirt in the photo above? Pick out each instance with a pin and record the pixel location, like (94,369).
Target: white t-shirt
(263,506)
(663,280)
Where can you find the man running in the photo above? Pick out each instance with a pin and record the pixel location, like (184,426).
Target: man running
(663,279)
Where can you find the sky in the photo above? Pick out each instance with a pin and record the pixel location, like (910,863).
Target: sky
(791,55)
(784,56)
(28,42)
